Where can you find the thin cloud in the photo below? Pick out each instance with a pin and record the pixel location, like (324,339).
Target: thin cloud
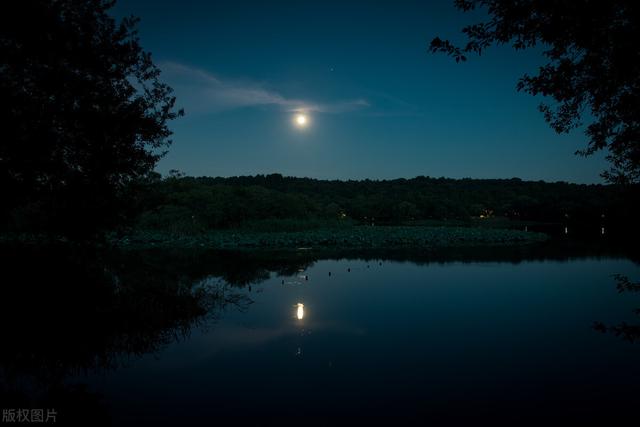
(200,91)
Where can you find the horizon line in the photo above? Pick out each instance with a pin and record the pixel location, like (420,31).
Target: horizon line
(515,178)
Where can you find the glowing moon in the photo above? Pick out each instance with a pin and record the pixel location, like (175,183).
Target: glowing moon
(301,120)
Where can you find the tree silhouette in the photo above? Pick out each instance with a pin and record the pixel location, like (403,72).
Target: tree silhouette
(83,111)
(593,72)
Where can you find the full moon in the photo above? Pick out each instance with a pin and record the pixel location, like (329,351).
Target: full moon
(301,120)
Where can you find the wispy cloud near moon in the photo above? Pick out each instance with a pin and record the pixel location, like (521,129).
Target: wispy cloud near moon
(200,91)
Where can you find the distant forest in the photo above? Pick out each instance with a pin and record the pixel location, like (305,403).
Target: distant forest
(183,203)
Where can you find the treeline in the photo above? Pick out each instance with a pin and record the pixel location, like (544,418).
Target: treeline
(183,203)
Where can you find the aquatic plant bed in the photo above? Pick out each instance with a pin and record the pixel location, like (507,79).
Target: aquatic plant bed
(359,237)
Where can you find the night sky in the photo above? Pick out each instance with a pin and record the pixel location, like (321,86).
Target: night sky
(379,105)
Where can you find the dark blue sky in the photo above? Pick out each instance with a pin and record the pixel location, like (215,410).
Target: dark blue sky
(380,106)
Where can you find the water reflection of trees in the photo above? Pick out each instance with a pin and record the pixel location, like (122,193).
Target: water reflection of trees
(628,332)
(245,267)
(67,311)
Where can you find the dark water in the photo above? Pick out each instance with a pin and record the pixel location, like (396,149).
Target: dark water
(477,336)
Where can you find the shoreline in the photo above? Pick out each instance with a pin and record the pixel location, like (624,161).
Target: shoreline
(357,237)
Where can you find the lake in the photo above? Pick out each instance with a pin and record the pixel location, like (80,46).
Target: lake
(475,336)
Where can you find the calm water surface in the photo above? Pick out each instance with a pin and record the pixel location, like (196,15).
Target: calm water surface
(449,342)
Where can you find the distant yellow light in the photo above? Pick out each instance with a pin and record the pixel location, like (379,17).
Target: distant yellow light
(300,311)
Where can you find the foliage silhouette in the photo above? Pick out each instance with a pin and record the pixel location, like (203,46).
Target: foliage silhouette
(277,203)
(593,72)
(84,113)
